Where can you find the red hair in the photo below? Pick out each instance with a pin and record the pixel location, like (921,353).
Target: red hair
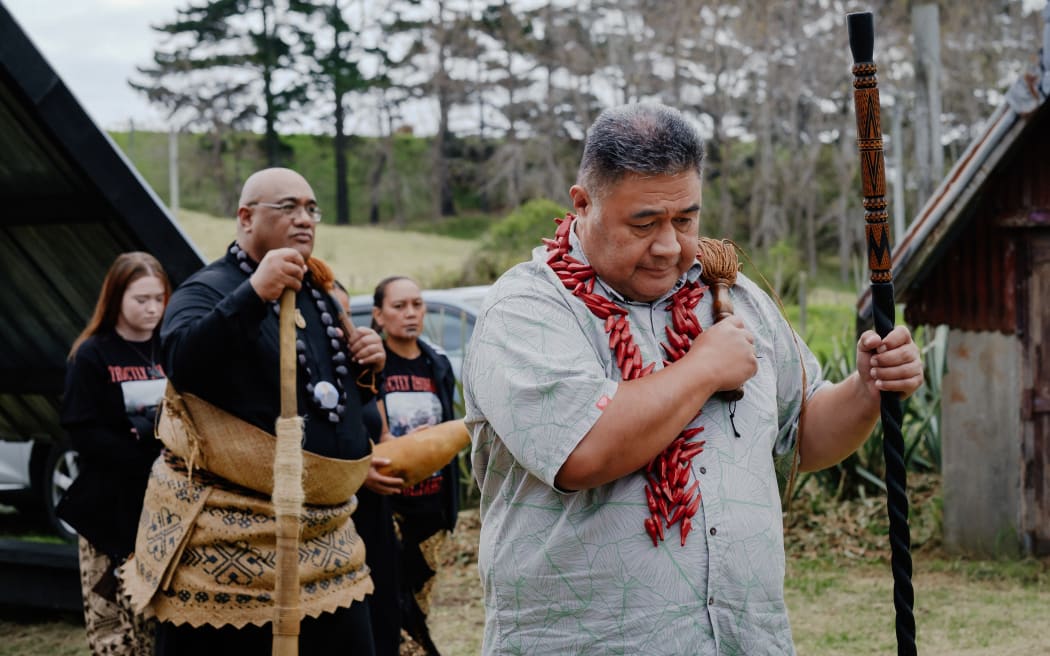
(126,269)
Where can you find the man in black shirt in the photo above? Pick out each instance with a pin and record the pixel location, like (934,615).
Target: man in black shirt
(220,329)
(220,341)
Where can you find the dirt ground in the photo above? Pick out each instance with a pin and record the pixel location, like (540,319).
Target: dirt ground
(457,616)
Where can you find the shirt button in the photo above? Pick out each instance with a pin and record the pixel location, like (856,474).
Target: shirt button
(710,601)
(703,470)
(713,530)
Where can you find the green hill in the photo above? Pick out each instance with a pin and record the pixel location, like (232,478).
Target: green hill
(360,256)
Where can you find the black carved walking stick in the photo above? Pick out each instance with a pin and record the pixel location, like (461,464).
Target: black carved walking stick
(873,178)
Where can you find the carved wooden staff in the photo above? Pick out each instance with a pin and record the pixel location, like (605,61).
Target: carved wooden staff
(287,491)
(873,178)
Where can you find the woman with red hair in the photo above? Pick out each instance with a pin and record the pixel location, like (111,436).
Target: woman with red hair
(114,383)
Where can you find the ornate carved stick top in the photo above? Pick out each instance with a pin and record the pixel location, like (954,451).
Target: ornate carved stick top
(869,144)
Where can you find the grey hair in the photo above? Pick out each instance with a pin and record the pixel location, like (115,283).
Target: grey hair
(648,139)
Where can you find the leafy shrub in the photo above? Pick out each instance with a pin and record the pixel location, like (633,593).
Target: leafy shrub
(467,226)
(510,241)
(827,326)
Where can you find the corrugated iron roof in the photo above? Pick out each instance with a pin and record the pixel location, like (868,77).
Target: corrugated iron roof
(71,202)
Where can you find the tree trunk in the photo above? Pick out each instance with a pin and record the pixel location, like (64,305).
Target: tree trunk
(394,176)
(226,198)
(446,203)
(271,140)
(764,179)
(929,157)
(513,188)
(376,179)
(846,191)
(443,185)
(342,192)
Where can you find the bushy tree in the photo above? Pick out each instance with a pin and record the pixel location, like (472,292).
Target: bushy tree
(237,53)
(331,54)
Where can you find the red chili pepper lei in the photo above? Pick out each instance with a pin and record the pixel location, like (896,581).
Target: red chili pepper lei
(666,493)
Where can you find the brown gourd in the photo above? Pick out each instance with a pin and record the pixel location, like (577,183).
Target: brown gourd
(417,455)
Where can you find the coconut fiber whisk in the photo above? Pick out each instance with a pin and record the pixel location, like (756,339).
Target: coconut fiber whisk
(720,266)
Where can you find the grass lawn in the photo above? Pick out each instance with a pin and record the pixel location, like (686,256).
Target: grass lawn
(839,591)
(840,608)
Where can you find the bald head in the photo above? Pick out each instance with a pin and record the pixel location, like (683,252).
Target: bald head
(263,226)
(270,182)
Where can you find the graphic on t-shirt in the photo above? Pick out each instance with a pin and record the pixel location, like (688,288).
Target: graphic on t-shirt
(406,411)
(140,396)
(408,383)
(135,372)
(411,401)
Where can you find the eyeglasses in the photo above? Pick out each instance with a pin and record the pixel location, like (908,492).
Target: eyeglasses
(288,209)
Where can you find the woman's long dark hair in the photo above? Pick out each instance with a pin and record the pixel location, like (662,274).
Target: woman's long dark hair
(126,269)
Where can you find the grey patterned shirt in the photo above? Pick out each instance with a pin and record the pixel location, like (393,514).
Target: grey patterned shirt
(576,573)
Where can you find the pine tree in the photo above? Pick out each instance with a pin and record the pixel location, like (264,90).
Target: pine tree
(240,50)
(334,71)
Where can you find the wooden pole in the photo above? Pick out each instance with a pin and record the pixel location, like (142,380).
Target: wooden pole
(287,491)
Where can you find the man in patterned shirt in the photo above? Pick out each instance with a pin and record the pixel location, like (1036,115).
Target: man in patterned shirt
(596,364)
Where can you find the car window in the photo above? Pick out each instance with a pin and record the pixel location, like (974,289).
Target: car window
(449,328)
(444,326)
(361,318)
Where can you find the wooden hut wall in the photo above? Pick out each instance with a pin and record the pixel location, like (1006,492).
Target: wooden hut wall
(975,283)
(981,444)
(988,279)
(973,287)
(1035,396)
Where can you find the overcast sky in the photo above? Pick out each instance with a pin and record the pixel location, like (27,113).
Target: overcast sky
(94,45)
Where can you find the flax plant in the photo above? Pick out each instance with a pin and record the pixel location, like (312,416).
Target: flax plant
(862,473)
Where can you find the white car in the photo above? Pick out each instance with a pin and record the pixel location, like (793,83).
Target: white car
(34,474)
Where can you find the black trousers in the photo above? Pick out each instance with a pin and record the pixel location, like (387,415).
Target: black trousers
(346,631)
(418,519)
(374,521)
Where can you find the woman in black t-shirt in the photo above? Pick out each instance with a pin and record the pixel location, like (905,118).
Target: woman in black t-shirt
(417,391)
(114,383)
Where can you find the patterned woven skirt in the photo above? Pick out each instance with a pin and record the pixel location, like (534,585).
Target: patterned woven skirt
(205,550)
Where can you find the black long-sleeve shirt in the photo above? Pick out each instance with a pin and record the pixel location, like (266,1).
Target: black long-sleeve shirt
(112,388)
(220,342)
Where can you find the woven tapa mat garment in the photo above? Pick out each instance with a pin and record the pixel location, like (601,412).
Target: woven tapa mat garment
(205,549)
(205,553)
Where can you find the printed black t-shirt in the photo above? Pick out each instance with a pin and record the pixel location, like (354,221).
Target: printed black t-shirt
(409,393)
(111,395)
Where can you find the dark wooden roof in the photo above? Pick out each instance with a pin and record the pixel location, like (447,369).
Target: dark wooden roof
(71,202)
